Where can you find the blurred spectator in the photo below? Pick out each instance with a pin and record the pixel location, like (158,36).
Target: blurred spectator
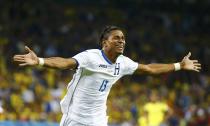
(156,112)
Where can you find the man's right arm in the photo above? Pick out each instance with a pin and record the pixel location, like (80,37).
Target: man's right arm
(31,59)
(61,63)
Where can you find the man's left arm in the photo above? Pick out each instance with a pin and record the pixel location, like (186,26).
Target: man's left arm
(185,64)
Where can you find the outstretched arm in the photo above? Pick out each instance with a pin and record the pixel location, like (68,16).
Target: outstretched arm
(185,64)
(31,59)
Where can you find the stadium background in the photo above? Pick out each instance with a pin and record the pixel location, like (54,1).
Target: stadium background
(156,31)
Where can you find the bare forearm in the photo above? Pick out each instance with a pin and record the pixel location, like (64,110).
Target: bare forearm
(155,68)
(61,63)
(161,68)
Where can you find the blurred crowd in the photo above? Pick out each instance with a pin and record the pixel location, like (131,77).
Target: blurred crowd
(156,31)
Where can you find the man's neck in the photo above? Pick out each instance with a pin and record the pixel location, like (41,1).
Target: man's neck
(110,55)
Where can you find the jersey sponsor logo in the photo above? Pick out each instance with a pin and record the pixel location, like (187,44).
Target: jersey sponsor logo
(103,66)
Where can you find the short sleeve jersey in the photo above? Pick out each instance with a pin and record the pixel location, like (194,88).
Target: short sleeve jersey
(88,90)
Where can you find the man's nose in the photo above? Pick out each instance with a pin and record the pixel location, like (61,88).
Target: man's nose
(121,41)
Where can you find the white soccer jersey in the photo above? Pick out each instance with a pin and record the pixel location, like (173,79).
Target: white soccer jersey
(87,93)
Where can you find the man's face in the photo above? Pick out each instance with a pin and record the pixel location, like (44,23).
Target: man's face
(154,97)
(115,42)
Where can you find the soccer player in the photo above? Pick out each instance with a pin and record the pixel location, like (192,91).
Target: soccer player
(96,71)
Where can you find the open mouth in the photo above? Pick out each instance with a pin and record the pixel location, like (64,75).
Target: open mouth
(120,47)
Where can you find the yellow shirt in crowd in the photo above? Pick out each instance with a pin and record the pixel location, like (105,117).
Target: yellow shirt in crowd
(156,112)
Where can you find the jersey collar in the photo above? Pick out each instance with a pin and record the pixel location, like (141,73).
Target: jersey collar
(106,58)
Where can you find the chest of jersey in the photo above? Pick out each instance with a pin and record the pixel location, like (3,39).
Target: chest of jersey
(99,77)
(103,68)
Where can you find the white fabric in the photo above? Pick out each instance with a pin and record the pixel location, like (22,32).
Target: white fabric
(87,93)
(41,61)
(65,121)
(177,66)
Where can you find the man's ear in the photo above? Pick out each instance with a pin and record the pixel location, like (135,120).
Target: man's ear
(104,43)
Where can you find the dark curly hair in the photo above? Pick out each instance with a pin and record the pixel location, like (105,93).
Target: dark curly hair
(106,32)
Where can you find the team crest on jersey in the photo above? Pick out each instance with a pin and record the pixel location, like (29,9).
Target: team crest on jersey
(117,69)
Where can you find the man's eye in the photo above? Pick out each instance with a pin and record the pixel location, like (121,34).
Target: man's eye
(116,38)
